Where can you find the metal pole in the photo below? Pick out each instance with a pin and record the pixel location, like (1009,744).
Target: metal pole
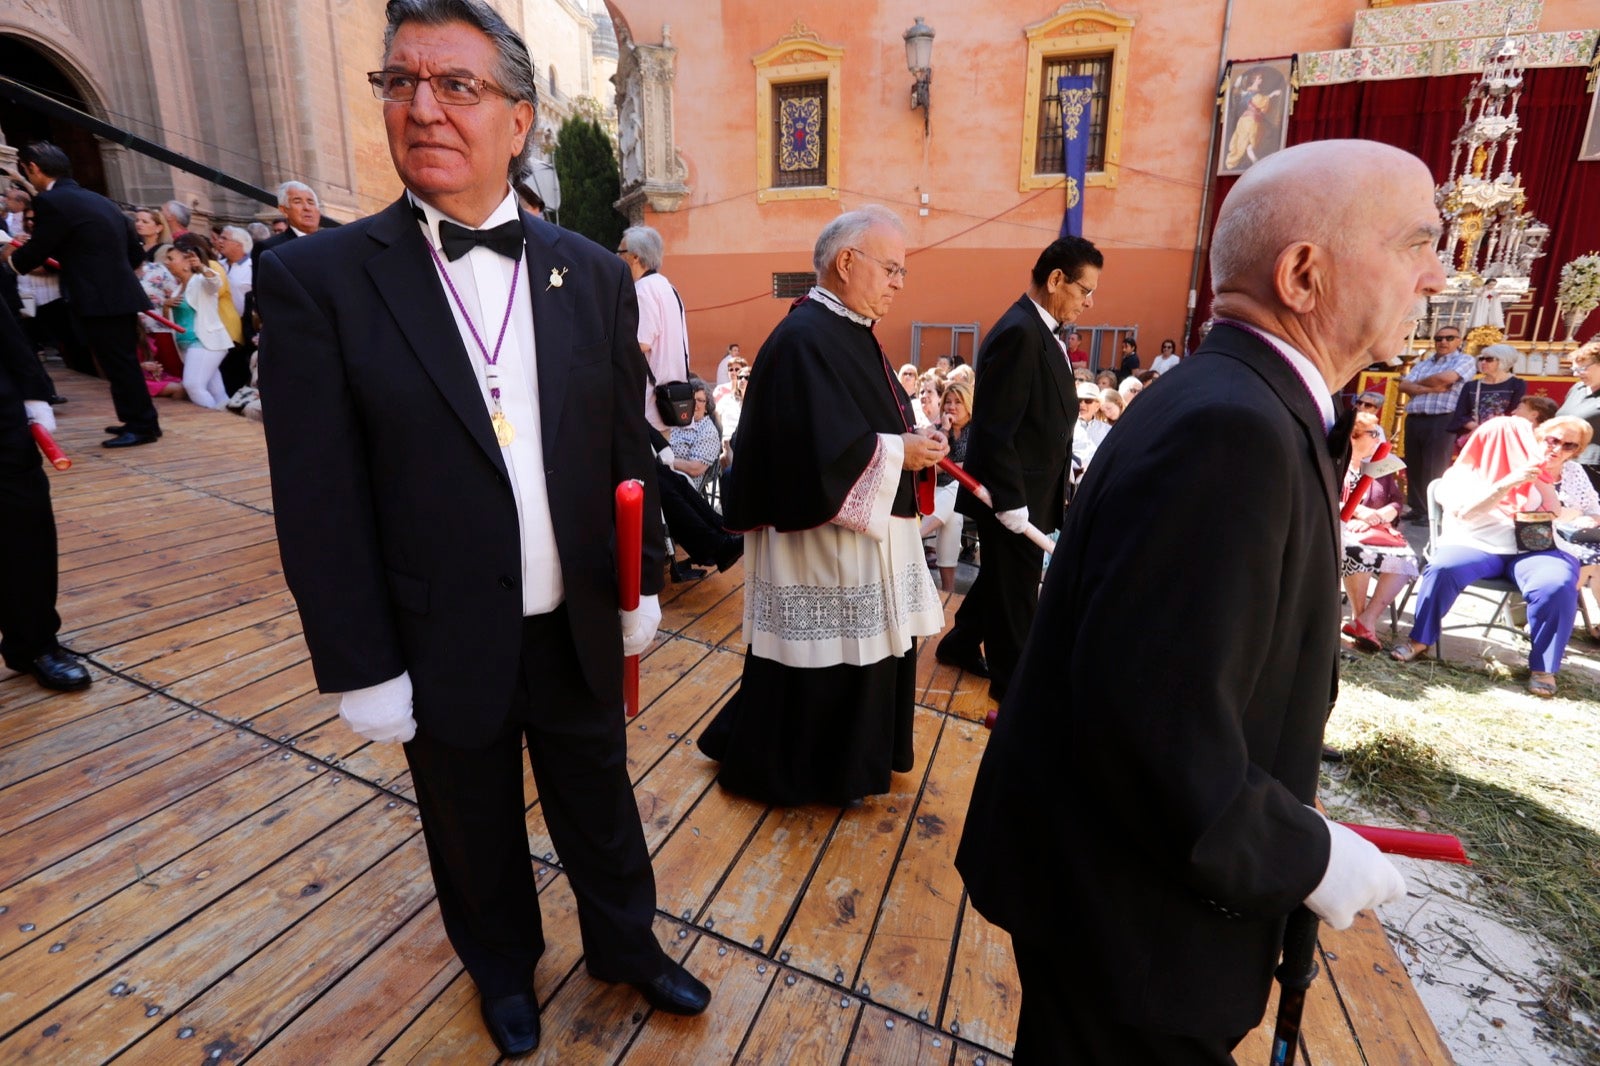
(1210,186)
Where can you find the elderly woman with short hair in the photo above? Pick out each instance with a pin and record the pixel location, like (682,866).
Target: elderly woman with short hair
(1494,392)
(945,523)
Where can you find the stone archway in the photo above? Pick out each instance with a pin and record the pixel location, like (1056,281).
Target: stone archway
(25,61)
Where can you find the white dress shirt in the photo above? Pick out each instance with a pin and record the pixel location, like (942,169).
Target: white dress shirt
(482,277)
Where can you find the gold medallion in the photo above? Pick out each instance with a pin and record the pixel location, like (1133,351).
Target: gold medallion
(502,429)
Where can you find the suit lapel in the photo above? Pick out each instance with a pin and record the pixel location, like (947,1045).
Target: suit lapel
(1284,381)
(553,315)
(1056,360)
(409,284)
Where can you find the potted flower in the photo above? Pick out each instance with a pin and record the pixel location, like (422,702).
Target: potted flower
(1579,291)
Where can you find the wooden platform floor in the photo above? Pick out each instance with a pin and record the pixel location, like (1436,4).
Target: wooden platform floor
(198,863)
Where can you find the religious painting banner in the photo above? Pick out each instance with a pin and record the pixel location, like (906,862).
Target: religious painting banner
(800,129)
(1077,96)
(1255,112)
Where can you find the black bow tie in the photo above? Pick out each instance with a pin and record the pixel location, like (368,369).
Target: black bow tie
(505,238)
(1061,332)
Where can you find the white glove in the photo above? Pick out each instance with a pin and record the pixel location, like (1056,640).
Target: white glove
(382,712)
(639,625)
(1359,876)
(40,414)
(666,456)
(1016,521)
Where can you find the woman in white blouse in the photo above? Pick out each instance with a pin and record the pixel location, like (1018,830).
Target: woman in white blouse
(208,340)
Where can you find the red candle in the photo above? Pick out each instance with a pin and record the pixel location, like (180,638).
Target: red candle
(1438,847)
(47,444)
(630,545)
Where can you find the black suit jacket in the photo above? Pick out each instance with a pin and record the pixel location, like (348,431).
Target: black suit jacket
(95,245)
(395,514)
(21,378)
(1170,787)
(1024,405)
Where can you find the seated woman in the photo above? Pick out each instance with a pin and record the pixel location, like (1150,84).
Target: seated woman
(1110,406)
(1503,475)
(1106,379)
(930,398)
(1372,545)
(1578,522)
(699,444)
(944,520)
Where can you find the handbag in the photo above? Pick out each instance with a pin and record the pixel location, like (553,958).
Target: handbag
(1535,531)
(675,399)
(1382,537)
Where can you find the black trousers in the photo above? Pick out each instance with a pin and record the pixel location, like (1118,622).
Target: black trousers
(692,521)
(28,619)
(999,608)
(54,320)
(1063,1023)
(473,811)
(1428,446)
(114,341)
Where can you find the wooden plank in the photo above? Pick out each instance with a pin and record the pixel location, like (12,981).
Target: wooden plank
(698,598)
(739,982)
(266,589)
(702,847)
(102,869)
(803,1020)
(70,782)
(972,1055)
(830,930)
(1384,1012)
(715,625)
(910,951)
(250,703)
(91,592)
(79,738)
(883,1039)
(671,717)
(206,685)
(222,532)
(206,653)
(1256,1047)
(99,946)
(985,993)
(28,709)
(269,988)
(753,903)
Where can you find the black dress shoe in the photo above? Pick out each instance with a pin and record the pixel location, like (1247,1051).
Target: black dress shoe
(684,572)
(675,991)
(729,552)
(964,656)
(119,430)
(513,1023)
(59,670)
(129,440)
(57,400)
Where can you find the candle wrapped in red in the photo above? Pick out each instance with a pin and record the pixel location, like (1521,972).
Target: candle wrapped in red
(630,544)
(1437,847)
(47,444)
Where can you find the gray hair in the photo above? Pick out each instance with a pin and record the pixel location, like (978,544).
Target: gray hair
(513,71)
(849,229)
(259,231)
(178,210)
(1504,353)
(240,234)
(645,243)
(297,186)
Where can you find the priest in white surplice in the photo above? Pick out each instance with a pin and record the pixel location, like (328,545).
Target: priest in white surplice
(836,585)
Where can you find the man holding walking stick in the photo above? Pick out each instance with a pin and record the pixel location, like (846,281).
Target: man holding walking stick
(1177,797)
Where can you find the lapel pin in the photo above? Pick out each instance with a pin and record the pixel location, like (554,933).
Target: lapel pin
(555,278)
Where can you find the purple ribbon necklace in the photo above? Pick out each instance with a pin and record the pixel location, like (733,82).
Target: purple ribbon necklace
(504,432)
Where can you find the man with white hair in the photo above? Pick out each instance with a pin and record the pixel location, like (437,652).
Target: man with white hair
(302,210)
(177,214)
(663,325)
(836,589)
(1176,799)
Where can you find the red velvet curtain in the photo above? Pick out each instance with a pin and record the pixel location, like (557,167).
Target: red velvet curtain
(1422,115)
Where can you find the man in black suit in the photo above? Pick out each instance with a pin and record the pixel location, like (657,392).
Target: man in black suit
(1174,792)
(97,250)
(451,393)
(28,619)
(1018,445)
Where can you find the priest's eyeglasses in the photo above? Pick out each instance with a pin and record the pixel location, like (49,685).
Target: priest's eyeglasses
(894,270)
(452,90)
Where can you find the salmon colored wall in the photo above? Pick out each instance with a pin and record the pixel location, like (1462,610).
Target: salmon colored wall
(970,256)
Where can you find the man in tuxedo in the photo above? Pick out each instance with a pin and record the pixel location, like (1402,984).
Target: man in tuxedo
(97,250)
(302,213)
(451,395)
(1018,445)
(28,619)
(1176,796)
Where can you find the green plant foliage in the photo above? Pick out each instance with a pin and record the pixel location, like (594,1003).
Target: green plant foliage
(591,181)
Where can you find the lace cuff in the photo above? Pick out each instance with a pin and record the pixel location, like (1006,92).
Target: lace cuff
(866,507)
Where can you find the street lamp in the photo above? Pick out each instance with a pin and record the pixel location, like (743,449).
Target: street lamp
(919,60)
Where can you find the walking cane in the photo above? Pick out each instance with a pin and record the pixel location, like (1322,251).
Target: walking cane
(630,545)
(1299,966)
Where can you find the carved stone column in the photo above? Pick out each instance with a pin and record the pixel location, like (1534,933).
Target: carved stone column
(652,170)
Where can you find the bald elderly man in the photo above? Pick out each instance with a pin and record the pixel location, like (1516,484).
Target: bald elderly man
(1176,799)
